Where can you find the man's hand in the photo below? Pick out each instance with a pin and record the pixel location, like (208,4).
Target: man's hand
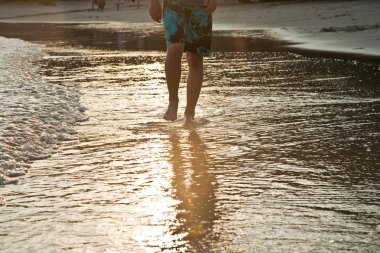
(155,10)
(211,6)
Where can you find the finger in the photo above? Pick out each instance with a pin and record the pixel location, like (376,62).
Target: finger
(210,8)
(156,18)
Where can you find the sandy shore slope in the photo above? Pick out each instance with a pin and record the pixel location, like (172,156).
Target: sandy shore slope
(341,26)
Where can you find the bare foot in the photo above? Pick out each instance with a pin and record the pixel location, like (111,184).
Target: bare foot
(189,120)
(189,117)
(171,112)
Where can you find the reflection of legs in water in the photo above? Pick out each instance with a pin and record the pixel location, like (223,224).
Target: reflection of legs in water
(194,188)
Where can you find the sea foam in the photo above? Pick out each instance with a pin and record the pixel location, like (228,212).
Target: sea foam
(35,115)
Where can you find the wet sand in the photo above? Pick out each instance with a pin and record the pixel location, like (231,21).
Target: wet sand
(131,37)
(149,37)
(350,26)
(283,158)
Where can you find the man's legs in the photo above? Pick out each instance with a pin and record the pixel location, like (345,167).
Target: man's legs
(173,77)
(194,83)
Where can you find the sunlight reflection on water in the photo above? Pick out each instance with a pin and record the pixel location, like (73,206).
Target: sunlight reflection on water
(283,158)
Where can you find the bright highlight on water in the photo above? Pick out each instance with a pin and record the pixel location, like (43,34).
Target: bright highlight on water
(283,157)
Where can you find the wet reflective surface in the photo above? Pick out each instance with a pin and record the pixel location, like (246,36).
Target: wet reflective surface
(131,37)
(35,116)
(283,158)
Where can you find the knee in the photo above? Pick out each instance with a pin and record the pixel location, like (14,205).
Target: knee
(194,60)
(175,50)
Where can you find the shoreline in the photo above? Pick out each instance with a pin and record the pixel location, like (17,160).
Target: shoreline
(245,40)
(344,29)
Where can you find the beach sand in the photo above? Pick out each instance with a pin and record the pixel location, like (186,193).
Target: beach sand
(337,26)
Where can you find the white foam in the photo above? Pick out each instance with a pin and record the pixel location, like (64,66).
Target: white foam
(35,115)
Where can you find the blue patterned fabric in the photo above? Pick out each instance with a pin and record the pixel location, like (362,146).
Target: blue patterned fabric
(189,25)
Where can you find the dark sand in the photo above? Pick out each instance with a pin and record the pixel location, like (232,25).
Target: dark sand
(145,37)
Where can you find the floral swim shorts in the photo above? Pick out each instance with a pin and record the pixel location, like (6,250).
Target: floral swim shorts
(189,25)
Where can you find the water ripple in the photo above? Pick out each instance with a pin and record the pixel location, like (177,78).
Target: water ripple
(283,158)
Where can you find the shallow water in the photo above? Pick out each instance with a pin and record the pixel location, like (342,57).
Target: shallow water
(283,158)
(35,116)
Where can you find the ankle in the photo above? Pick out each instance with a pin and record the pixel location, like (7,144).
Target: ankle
(173,100)
(171,111)
(189,113)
